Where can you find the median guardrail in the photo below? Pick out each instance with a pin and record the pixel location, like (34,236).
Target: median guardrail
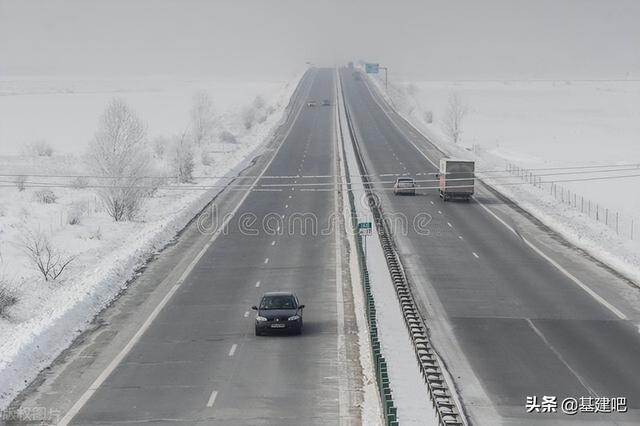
(389,409)
(443,401)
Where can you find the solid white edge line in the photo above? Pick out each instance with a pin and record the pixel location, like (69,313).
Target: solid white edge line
(232,351)
(212,399)
(75,408)
(343,410)
(566,273)
(583,286)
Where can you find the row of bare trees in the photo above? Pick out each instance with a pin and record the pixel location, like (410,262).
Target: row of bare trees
(120,155)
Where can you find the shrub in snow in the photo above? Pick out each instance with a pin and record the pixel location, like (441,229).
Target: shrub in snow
(8,297)
(228,137)
(45,196)
(119,153)
(202,118)
(248,117)
(45,258)
(21,182)
(75,213)
(39,148)
(183,160)
(80,182)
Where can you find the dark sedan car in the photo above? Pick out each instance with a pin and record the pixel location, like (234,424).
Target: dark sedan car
(278,311)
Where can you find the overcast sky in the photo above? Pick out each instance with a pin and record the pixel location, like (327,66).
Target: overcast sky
(249,39)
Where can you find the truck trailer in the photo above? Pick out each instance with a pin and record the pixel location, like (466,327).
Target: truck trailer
(457,178)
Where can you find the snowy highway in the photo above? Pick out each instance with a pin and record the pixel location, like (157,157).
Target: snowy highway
(185,352)
(514,311)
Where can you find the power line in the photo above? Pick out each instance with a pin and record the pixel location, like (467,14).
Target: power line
(303,186)
(612,167)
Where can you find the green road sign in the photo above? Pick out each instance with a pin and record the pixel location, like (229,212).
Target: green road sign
(365,228)
(371,68)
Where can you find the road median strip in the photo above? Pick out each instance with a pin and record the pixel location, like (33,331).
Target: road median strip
(443,402)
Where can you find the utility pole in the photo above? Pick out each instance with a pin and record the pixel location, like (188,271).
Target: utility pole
(386,72)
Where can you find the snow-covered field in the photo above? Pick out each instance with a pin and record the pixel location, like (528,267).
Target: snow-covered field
(541,124)
(43,317)
(536,125)
(65,112)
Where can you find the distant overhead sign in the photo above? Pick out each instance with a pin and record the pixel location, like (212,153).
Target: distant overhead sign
(364,228)
(371,68)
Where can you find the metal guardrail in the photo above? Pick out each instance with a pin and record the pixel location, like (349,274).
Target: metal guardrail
(442,400)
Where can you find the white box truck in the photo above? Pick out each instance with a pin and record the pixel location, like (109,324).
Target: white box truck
(457,178)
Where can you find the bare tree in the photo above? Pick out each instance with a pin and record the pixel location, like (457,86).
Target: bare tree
(119,153)
(454,118)
(183,159)
(202,118)
(45,258)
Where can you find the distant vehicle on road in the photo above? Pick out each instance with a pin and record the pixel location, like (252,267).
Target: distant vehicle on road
(278,311)
(457,178)
(404,186)
(326,102)
(312,103)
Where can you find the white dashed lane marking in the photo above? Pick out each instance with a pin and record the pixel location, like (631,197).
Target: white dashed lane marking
(476,255)
(232,351)
(212,399)
(258,283)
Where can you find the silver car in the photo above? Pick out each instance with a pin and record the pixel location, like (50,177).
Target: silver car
(404,186)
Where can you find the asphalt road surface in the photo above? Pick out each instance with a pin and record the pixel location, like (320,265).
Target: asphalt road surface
(508,323)
(198,362)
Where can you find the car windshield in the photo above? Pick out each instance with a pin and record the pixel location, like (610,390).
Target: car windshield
(278,302)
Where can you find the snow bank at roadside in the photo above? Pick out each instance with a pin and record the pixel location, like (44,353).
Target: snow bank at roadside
(48,316)
(578,228)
